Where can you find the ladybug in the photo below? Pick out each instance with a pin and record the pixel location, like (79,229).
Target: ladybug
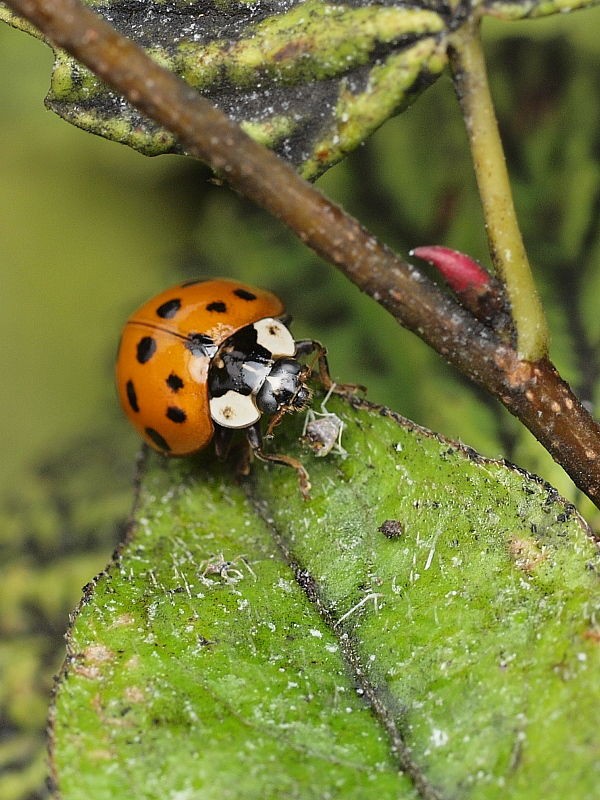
(208,357)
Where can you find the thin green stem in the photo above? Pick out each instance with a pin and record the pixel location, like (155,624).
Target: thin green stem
(506,244)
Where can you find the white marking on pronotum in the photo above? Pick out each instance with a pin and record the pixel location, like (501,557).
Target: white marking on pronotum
(275,337)
(251,368)
(234,410)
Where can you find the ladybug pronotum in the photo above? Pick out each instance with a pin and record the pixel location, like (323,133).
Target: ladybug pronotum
(208,357)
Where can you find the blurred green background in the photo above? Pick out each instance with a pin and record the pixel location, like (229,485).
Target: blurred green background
(88,230)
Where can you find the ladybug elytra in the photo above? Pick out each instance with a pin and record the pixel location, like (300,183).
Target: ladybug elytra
(208,357)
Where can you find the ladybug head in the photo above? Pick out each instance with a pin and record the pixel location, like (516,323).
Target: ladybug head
(284,389)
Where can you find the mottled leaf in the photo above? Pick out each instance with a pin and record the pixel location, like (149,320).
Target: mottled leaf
(530,9)
(424,626)
(308,78)
(54,534)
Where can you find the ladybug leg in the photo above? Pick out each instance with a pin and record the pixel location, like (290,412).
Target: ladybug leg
(305,347)
(223,437)
(254,437)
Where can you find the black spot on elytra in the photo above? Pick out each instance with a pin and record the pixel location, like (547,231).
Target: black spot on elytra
(132,396)
(146,347)
(218,306)
(199,344)
(244,294)
(158,440)
(169,309)
(174,382)
(176,414)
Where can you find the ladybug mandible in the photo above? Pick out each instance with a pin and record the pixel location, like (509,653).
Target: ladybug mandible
(208,357)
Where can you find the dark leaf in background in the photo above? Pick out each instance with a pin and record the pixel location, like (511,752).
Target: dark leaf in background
(311,79)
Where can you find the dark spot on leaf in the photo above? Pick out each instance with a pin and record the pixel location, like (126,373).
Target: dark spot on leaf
(391,528)
(291,50)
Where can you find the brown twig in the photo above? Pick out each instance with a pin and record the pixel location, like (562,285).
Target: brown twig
(533,392)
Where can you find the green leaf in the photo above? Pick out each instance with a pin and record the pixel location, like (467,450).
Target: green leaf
(424,626)
(530,9)
(310,79)
(54,533)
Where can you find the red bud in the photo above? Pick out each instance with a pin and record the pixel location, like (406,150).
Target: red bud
(459,270)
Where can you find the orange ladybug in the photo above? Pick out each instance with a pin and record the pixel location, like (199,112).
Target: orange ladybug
(208,357)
